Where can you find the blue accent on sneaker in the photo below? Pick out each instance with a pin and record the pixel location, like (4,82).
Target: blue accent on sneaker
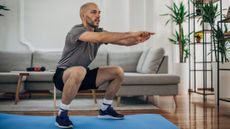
(110,113)
(63,121)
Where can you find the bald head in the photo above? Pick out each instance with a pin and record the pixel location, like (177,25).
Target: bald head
(90,15)
(85,7)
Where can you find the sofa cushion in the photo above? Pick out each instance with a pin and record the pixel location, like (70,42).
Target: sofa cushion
(48,59)
(137,90)
(100,59)
(8,82)
(127,60)
(14,61)
(8,77)
(150,60)
(150,79)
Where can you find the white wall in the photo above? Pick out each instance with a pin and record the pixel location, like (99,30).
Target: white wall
(43,24)
(9,27)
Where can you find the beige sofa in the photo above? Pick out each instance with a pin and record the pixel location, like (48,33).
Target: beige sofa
(138,81)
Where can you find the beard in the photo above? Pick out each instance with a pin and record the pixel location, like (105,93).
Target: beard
(91,23)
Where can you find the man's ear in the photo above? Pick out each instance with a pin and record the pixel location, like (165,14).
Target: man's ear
(82,16)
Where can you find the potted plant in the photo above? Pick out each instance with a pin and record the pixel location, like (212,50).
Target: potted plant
(210,13)
(2,7)
(178,15)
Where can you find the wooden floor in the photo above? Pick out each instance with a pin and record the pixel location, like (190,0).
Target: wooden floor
(191,113)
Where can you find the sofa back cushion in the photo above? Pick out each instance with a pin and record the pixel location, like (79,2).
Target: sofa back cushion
(14,61)
(48,59)
(101,59)
(127,60)
(150,60)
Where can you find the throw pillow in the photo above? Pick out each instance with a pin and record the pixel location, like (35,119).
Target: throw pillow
(141,60)
(152,60)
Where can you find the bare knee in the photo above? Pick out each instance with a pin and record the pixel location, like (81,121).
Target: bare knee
(119,73)
(76,74)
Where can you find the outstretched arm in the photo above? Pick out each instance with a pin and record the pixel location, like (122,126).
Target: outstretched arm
(126,38)
(133,41)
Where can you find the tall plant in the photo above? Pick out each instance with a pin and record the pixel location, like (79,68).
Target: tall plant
(178,15)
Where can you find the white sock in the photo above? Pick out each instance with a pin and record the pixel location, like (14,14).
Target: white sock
(105,104)
(63,107)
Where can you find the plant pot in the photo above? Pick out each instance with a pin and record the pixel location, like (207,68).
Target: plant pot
(182,70)
(224,81)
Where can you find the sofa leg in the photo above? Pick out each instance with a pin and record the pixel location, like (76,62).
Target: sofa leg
(175,101)
(118,101)
(94,96)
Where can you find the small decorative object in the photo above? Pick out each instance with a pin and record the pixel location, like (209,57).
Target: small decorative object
(199,36)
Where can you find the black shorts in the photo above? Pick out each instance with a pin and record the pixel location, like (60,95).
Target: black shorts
(89,82)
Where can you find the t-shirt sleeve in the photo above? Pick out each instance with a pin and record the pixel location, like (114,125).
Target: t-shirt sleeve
(74,35)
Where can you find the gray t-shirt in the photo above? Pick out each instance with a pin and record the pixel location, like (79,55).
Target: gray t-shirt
(77,52)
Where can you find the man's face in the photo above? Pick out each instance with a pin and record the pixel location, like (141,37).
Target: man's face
(92,16)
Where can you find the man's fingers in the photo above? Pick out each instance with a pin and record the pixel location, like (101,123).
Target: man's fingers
(145,34)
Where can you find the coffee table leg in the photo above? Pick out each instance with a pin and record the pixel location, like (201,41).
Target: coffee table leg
(19,84)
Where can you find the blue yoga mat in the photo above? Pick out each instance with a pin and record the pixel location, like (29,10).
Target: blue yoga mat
(143,121)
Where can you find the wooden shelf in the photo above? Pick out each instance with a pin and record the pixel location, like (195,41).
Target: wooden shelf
(224,69)
(201,43)
(206,92)
(205,1)
(225,99)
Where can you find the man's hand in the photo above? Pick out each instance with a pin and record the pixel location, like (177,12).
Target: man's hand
(137,37)
(143,36)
